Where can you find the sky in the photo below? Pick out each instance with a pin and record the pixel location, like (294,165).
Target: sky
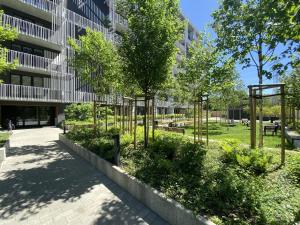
(199,14)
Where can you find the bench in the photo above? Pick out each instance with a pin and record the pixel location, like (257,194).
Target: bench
(246,122)
(272,128)
(174,124)
(172,129)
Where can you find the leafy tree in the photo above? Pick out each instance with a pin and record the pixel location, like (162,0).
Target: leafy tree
(204,70)
(148,47)
(285,16)
(292,82)
(96,61)
(6,34)
(245,31)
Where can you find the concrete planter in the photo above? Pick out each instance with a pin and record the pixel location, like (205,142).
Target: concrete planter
(3,152)
(293,137)
(166,208)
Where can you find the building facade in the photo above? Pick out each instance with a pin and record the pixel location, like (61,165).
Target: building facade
(36,92)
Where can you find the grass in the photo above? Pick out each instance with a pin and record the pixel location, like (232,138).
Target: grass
(3,138)
(239,132)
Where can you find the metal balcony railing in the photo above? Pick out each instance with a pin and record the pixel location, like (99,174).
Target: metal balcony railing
(45,5)
(41,94)
(31,29)
(32,61)
(120,20)
(181,47)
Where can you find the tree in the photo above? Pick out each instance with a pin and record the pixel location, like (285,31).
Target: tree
(245,31)
(97,62)
(292,82)
(204,72)
(285,16)
(205,69)
(148,47)
(6,34)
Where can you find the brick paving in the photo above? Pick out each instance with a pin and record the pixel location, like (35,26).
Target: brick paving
(42,182)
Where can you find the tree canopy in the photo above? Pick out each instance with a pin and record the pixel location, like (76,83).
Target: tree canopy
(205,70)
(148,47)
(96,61)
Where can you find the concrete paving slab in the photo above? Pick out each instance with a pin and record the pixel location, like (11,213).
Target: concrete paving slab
(42,182)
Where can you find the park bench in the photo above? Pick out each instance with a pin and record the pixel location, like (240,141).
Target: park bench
(272,128)
(245,121)
(175,124)
(172,129)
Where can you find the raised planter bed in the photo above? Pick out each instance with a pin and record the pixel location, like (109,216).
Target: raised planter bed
(168,209)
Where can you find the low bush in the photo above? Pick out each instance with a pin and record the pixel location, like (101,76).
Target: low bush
(3,138)
(255,160)
(224,185)
(293,167)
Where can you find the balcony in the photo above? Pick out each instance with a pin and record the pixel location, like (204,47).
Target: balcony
(45,7)
(181,47)
(32,63)
(121,23)
(33,33)
(21,93)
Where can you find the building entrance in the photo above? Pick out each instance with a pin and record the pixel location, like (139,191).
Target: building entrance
(28,116)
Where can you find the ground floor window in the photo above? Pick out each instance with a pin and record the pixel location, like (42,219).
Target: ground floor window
(28,116)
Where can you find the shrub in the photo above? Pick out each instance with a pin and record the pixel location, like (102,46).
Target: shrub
(293,167)
(189,160)
(255,160)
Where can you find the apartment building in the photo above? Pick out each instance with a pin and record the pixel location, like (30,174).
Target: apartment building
(37,91)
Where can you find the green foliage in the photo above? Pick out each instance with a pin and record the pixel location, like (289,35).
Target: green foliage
(96,61)
(255,160)
(3,138)
(244,30)
(205,69)
(148,47)
(84,112)
(202,180)
(97,141)
(292,87)
(79,112)
(285,16)
(294,167)
(6,34)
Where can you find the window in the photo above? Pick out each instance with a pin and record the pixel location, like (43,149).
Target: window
(15,79)
(38,82)
(27,50)
(26,81)
(16,47)
(38,52)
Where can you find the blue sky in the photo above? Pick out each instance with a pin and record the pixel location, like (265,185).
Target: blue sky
(199,13)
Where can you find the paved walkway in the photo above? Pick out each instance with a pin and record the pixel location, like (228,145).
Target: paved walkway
(41,182)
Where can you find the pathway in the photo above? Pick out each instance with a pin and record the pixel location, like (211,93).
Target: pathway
(42,182)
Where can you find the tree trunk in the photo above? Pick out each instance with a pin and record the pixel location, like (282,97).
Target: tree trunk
(194,122)
(145,123)
(260,133)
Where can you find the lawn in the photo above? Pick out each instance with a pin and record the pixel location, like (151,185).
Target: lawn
(3,138)
(239,132)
